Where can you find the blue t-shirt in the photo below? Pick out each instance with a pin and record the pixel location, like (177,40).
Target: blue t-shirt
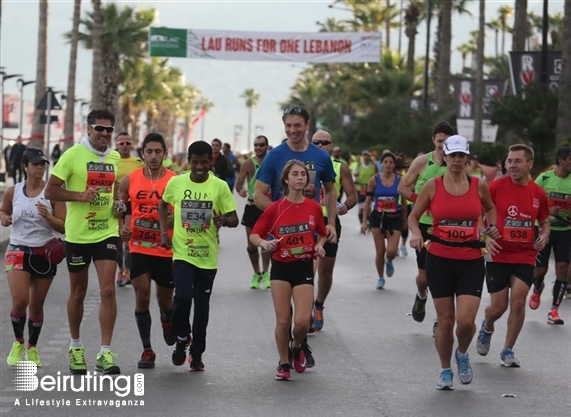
(316,160)
(233,160)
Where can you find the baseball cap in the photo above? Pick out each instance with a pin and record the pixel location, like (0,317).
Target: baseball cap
(456,143)
(366,152)
(35,155)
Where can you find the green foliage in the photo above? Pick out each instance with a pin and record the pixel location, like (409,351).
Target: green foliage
(532,115)
(488,153)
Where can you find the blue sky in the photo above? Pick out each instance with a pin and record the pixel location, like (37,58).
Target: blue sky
(221,81)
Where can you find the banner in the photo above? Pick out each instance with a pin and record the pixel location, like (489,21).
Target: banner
(266,46)
(525,68)
(11,112)
(464,92)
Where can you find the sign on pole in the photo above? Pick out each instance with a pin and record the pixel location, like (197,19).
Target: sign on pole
(266,46)
(525,68)
(49,101)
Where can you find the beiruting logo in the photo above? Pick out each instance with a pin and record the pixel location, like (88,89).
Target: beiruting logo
(26,379)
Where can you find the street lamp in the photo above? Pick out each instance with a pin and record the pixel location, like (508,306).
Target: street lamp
(21,85)
(237,133)
(3,77)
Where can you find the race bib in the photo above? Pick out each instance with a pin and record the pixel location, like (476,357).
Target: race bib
(363,190)
(559,200)
(518,230)
(387,204)
(14,261)
(146,233)
(196,214)
(297,241)
(456,230)
(100,176)
(310,190)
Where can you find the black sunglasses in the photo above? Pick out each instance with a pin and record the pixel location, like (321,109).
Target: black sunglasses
(256,145)
(295,109)
(101,128)
(321,142)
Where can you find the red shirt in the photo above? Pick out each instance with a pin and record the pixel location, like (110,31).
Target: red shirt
(295,224)
(455,219)
(517,208)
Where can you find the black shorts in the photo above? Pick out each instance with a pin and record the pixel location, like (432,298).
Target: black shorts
(296,273)
(251,215)
(79,255)
(21,258)
(331,248)
(560,241)
(421,256)
(390,223)
(120,255)
(498,275)
(454,277)
(160,268)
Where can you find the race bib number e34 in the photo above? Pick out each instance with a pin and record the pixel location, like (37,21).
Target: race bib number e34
(196,214)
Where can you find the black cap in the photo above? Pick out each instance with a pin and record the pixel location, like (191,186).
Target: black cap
(35,155)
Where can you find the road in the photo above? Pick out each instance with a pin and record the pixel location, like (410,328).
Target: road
(372,358)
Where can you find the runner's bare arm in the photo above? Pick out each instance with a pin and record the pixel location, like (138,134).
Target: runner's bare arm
(349,188)
(367,204)
(6,208)
(245,172)
(261,198)
(422,203)
(411,176)
(489,209)
(163,213)
(55,192)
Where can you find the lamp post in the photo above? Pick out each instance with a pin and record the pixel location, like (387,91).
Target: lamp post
(3,77)
(237,133)
(21,85)
(83,125)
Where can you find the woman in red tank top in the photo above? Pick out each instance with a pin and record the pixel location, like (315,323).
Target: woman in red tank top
(454,262)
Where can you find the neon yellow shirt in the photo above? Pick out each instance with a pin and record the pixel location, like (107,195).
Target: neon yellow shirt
(194,239)
(128,165)
(80,168)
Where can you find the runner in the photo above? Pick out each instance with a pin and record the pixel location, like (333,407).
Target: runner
(248,170)
(519,204)
(91,232)
(34,222)
(361,175)
(141,191)
(343,184)
(423,168)
(454,259)
(387,218)
(287,229)
(202,204)
(557,184)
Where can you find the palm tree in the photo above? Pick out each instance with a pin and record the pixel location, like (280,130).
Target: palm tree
(442,59)
(70,104)
(412,18)
(97,46)
(564,112)
(520,26)
(204,105)
(252,98)
(495,25)
(478,109)
(504,13)
(37,139)
(464,49)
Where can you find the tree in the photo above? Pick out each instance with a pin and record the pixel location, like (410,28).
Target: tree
(252,98)
(442,79)
(464,49)
(504,13)
(412,18)
(97,46)
(37,139)
(495,25)
(478,108)
(70,104)
(520,26)
(564,109)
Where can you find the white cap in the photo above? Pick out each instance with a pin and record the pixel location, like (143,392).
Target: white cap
(456,143)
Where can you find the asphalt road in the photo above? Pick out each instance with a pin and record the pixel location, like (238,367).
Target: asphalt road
(372,358)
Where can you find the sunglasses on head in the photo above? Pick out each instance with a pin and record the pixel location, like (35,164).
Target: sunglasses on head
(321,142)
(124,143)
(256,145)
(101,128)
(295,109)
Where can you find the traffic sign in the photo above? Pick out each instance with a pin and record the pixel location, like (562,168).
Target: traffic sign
(44,119)
(54,104)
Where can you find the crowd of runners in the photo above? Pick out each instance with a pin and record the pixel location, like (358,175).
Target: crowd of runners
(157,218)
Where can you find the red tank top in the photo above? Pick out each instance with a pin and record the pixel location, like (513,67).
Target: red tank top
(455,219)
(145,196)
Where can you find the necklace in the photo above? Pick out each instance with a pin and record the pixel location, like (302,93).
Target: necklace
(458,187)
(29,193)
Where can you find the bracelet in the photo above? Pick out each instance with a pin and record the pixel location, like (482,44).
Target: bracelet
(259,241)
(491,225)
(413,197)
(164,233)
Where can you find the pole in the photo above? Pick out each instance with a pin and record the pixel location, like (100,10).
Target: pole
(48,128)
(21,121)
(400,26)
(545,29)
(425,87)
(202,127)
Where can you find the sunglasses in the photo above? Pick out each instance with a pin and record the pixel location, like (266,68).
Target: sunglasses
(295,109)
(257,145)
(321,142)
(101,128)
(124,143)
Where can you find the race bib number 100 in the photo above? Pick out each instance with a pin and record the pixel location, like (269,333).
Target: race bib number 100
(456,230)
(196,214)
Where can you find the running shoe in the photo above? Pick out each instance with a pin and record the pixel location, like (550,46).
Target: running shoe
(308,354)
(508,359)
(445,382)
(419,309)
(317,316)
(15,355)
(77,365)
(33,355)
(266,280)
(299,361)
(170,338)
(380,284)
(283,372)
(105,363)
(255,283)
(120,281)
(403,252)
(147,359)
(465,372)
(434,328)
(553,317)
(179,353)
(195,361)
(535,298)
(484,340)
(389,267)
